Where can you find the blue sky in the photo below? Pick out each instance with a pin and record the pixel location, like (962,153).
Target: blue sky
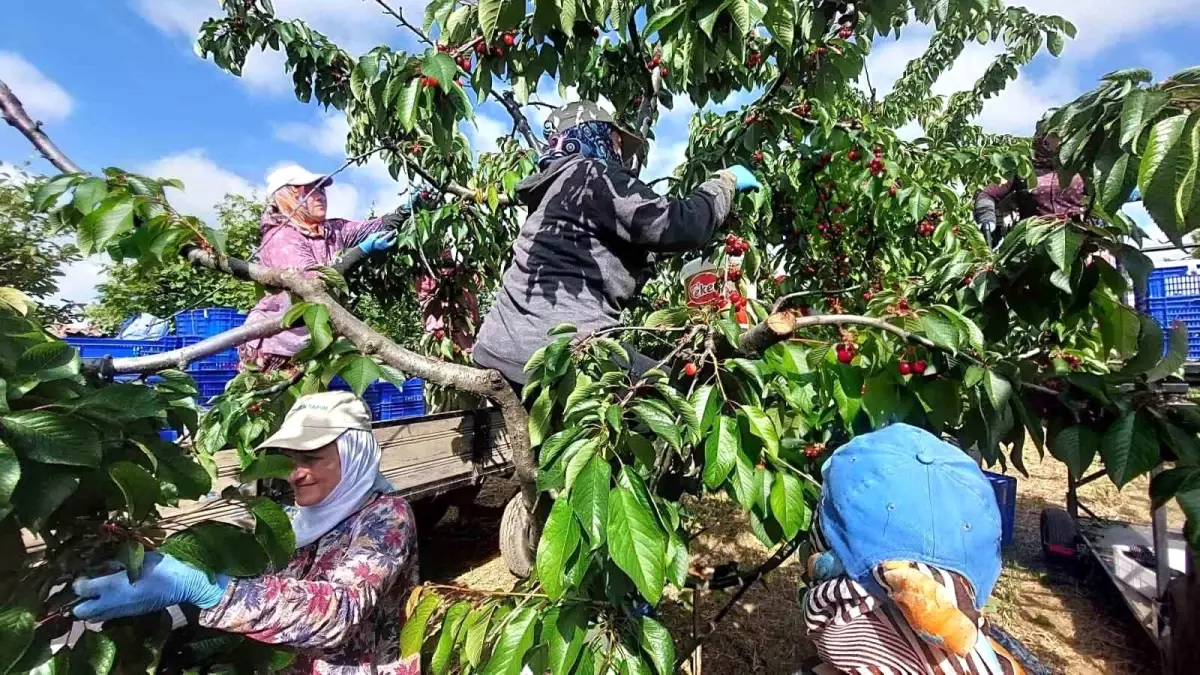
(117,84)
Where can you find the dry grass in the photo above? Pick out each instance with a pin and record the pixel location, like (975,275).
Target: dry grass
(1071,618)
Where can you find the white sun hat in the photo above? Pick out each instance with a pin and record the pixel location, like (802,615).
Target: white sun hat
(295,175)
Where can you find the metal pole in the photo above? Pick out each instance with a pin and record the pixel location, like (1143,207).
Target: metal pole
(1162,567)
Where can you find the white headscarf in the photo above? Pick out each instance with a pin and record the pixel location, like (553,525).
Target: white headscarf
(359,453)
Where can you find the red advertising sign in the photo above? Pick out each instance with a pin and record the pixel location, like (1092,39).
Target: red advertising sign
(703,288)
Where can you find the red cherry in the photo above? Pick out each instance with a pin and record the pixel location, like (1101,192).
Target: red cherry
(853,155)
(663,71)
(867,296)
(920,366)
(844,355)
(820,51)
(656,60)
(893,190)
(431,82)
(735,297)
(480,48)
(734,274)
(509,39)
(903,304)
(812,451)
(905,368)
(750,118)
(498,52)
(741,316)
(846,33)
(690,370)
(758,156)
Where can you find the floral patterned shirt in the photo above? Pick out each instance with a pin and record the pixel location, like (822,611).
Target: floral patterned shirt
(339,601)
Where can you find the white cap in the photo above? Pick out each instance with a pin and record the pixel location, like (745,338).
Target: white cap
(295,175)
(317,420)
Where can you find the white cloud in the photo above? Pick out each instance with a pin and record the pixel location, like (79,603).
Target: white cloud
(1103,23)
(205,183)
(486,132)
(327,136)
(43,98)
(79,281)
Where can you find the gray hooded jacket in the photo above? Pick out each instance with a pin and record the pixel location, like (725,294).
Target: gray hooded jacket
(584,252)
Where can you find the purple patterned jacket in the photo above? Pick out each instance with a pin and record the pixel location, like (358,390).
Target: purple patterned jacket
(340,601)
(281,245)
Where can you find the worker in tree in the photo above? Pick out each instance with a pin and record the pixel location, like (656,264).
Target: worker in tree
(339,601)
(906,546)
(1046,198)
(585,249)
(294,232)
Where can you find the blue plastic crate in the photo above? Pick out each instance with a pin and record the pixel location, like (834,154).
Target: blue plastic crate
(212,383)
(1006,498)
(202,323)
(95,348)
(1157,283)
(169,435)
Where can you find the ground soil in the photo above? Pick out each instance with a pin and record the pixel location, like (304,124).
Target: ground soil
(1071,618)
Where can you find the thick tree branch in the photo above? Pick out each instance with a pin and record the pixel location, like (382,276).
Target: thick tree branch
(14,113)
(180,358)
(520,122)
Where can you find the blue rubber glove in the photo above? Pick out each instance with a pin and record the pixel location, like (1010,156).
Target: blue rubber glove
(378,241)
(744,181)
(825,566)
(165,581)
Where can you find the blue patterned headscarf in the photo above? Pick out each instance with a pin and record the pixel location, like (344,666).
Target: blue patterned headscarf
(590,139)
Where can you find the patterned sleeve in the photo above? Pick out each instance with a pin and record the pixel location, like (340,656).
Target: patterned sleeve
(323,614)
(353,232)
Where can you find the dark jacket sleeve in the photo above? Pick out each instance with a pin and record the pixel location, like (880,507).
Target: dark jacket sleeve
(646,218)
(986,201)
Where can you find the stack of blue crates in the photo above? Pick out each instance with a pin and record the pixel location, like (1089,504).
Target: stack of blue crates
(1005,488)
(213,373)
(1173,294)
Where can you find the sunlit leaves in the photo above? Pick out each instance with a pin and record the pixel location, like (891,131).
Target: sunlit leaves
(635,541)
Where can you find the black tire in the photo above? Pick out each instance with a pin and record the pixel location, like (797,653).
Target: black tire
(1060,537)
(518,542)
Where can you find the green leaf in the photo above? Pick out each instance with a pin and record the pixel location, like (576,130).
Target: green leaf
(412,634)
(563,630)
(656,642)
(1054,43)
(273,530)
(1171,482)
(190,479)
(539,417)
(218,547)
(1167,173)
(635,542)
(51,190)
(123,401)
(406,104)
(268,465)
(780,19)
(138,486)
(1177,351)
(475,628)
(40,493)
(660,422)
(16,633)
(508,655)
(763,426)
(489,17)
(452,626)
(316,317)
(359,372)
(10,473)
(441,67)
(721,451)
(1076,447)
(940,330)
(589,498)
(113,217)
(94,654)
(1150,348)
(964,325)
(1062,245)
(788,505)
(560,539)
(661,19)
(47,437)
(999,389)
(1140,108)
(566,15)
(1129,449)
(45,356)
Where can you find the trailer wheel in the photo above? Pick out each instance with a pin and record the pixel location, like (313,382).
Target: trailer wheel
(517,542)
(1059,535)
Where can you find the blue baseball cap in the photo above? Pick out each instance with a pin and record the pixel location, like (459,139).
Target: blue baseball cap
(902,493)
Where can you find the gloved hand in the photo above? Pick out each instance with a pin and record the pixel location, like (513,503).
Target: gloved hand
(165,581)
(824,566)
(744,181)
(378,241)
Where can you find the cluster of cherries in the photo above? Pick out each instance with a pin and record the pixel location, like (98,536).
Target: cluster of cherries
(925,227)
(803,110)
(735,245)
(846,351)
(656,62)
(429,81)
(913,368)
(876,165)
(1072,361)
(753,59)
(734,274)
(814,450)
(846,32)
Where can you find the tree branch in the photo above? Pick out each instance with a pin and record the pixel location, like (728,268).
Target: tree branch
(783,301)
(452,188)
(519,120)
(180,358)
(748,579)
(14,113)
(399,14)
